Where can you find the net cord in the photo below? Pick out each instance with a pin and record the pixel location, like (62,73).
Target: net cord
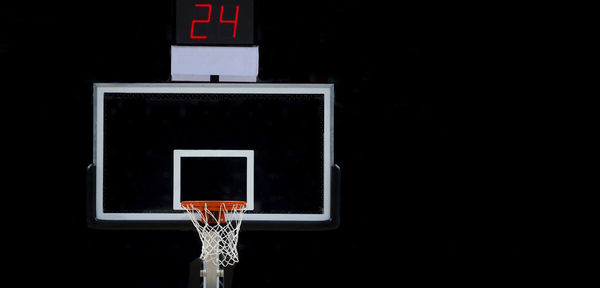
(219,239)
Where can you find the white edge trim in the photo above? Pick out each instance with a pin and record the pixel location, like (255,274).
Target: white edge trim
(179,153)
(250,88)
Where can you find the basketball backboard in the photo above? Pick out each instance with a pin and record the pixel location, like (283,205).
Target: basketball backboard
(270,145)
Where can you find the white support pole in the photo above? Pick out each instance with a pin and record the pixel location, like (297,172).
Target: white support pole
(211,268)
(211,275)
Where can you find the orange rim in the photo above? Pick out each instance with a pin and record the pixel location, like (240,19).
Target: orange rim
(213,205)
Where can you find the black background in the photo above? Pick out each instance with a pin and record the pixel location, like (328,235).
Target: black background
(232,186)
(428,135)
(284,131)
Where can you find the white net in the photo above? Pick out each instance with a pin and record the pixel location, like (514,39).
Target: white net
(218,231)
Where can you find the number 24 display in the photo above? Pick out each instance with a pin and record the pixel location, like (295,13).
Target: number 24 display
(214,22)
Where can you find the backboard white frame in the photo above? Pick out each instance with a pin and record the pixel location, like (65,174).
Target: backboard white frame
(215,88)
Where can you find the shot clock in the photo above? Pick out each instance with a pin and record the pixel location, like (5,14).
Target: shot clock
(214,22)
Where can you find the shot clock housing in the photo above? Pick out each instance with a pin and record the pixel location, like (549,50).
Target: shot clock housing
(214,41)
(214,22)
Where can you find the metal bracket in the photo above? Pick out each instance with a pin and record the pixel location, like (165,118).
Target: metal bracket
(220,273)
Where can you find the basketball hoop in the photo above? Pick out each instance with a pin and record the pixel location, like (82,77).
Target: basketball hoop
(218,224)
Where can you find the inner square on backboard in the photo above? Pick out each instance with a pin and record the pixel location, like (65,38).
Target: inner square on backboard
(213,175)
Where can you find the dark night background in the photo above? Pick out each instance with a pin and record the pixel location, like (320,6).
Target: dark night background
(427,135)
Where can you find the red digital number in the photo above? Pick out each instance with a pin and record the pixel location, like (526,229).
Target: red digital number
(209,6)
(234,21)
(203,21)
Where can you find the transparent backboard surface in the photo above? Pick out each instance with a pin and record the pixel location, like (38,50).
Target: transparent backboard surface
(156,145)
